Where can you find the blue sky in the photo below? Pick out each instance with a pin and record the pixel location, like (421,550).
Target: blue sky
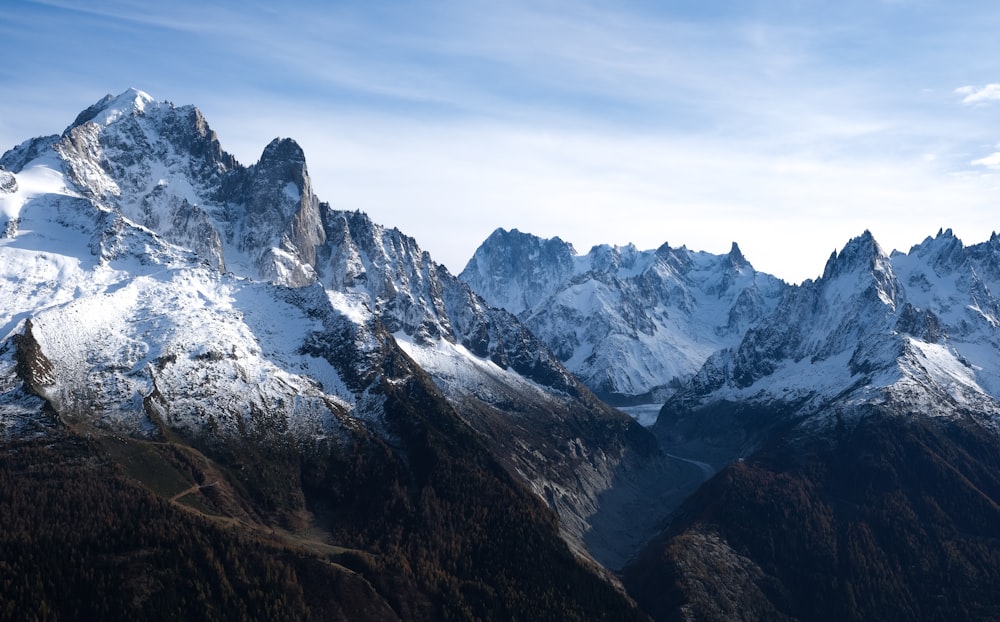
(788,126)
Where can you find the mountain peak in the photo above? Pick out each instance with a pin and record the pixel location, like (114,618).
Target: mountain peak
(282,162)
(507,257)
(517,239)
(736,258)
(284,150)
(944,252)
(111,107)
(860,253)
(517,247)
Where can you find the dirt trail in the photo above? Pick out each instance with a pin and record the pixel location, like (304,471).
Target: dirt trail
(194,488)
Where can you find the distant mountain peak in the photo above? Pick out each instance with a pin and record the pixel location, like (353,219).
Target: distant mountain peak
(629,323)
(507,256)
(664,249)
(862,253)
(944,252)
(518,240)
(736,258)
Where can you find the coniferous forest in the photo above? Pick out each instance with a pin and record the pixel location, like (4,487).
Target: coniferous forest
(88,530)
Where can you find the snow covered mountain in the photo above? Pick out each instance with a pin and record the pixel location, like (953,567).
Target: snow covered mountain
(116,241)
(911,333)
(193,328)
(633,325)
(865,414)
(156,286)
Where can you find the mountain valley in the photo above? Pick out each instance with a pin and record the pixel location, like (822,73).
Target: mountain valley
(221,397)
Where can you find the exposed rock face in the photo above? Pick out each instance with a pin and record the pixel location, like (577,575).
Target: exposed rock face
(33,368)
(283,227)
(8,183)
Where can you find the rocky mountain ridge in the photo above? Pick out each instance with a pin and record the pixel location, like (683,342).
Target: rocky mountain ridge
(912,332)
(632,325)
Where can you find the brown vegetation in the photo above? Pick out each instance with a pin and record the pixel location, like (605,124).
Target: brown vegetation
(897,519)
(429,528)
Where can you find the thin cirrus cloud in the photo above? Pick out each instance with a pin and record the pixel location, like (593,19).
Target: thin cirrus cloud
(979,94)
(786,126)
(990,161)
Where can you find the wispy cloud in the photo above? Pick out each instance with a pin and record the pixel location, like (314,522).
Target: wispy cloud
(991,161)
(979,94)
(787,126)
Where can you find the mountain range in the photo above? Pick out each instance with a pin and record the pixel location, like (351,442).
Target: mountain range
(334,426)
(632,325)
